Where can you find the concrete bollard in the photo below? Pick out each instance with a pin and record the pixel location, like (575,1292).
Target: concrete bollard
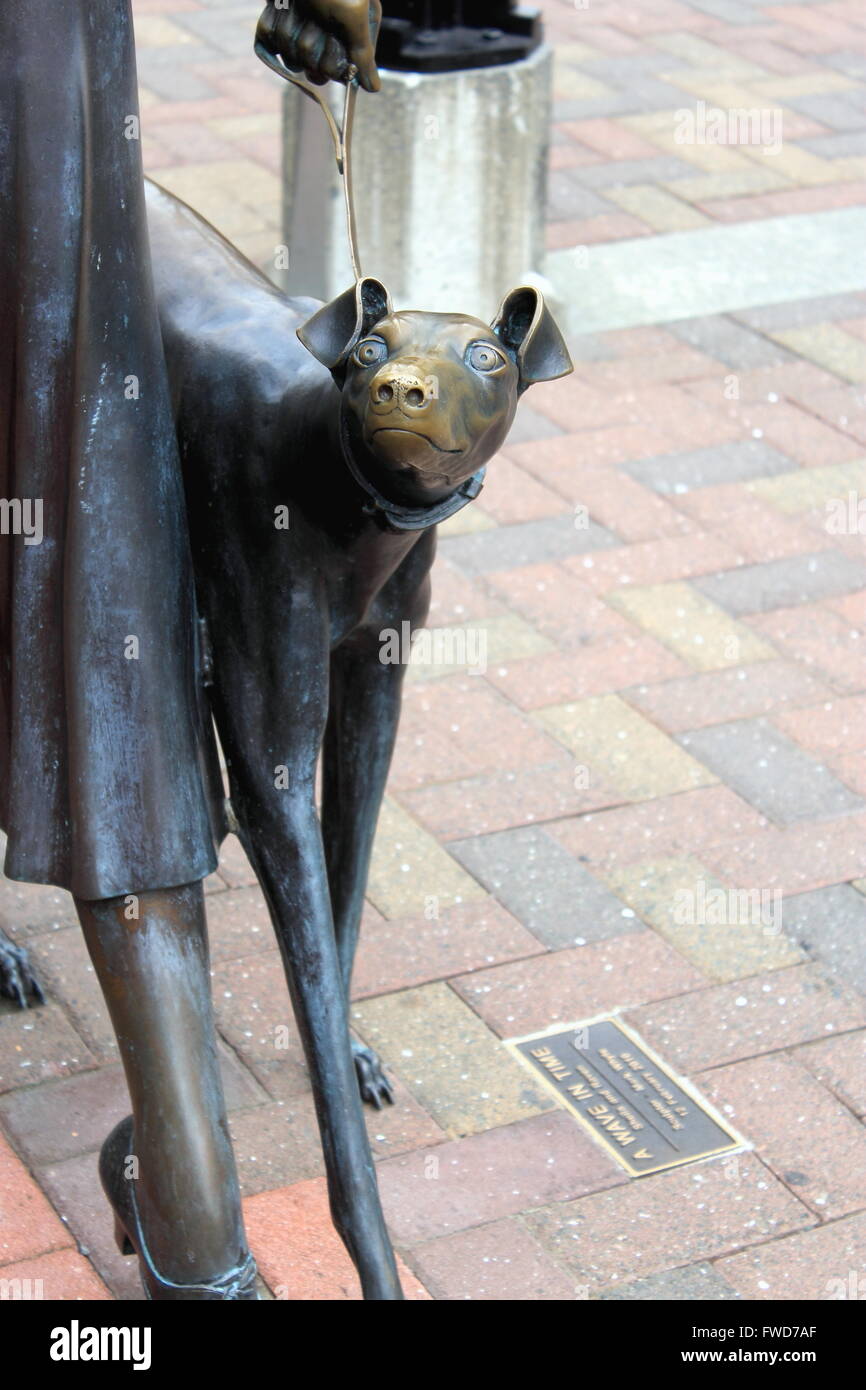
(450,182)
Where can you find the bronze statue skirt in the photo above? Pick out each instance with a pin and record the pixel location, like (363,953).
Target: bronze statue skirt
(107,780)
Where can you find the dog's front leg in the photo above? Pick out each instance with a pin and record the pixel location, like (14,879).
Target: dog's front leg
(288,857)
(271,738)
(362,725)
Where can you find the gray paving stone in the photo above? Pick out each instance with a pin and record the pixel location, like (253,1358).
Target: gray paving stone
(849,143)
(731,11)
(75,1192)
(72,1115)
(59,1119)
(784,583)
(62,1118)
(530,543)
(730,342)
(847,60)
(801,313)
(529,425)
(32,909)
(592,347)
(624,67)
(276,1145)
(717,269)
(567,199)
(838,110)
(621,173)
(176,56)
(616,104)
(830,923)
(172,82)
(725,463)
(698,1283)
(652,95)
(228,31)
(770,771)
(553,895)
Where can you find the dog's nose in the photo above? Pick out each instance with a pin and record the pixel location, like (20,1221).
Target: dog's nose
(400,387)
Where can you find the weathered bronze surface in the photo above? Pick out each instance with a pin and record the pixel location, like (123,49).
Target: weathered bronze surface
(100,788)
(318,451)
(324,38)
(625,1096)
(318,447)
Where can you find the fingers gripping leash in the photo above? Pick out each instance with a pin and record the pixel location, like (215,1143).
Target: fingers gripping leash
(341,137)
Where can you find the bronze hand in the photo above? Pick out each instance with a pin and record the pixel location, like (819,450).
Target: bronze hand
(324,38)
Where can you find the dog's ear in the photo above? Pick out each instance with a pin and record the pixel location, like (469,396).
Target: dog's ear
(332,332)
(526,327)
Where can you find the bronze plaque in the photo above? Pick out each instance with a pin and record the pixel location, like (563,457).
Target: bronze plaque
(625,1095)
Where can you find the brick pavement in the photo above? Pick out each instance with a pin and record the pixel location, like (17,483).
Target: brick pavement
(667,567)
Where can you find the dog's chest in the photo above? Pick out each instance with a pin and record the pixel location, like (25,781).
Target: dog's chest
(373,584)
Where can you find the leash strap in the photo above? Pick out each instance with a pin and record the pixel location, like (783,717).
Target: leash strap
(389,514)
(341,137)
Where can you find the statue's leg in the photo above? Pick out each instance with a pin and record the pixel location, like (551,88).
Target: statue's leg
(151,957)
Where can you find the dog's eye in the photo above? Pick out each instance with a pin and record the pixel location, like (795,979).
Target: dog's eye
(484,358)
(370,351)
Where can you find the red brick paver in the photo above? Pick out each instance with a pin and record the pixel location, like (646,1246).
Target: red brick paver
(298,1252)
(28,1226)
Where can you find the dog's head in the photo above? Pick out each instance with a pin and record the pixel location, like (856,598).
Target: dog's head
(428,398)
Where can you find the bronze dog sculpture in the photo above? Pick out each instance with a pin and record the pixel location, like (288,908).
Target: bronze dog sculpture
(319,447)
(109,786)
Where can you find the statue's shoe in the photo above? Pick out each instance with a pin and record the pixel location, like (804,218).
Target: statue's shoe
(238,1282)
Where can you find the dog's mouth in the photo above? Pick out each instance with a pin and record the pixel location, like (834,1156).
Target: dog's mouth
(409,450)
(415,434)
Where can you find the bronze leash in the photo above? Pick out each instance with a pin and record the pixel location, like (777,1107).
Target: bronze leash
(341,137)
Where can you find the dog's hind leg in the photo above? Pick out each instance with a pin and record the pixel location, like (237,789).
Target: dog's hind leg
(271,738)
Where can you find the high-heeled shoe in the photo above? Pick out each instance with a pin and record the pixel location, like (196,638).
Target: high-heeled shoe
(238,1283)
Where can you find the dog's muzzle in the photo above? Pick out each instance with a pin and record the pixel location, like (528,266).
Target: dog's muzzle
(401,389)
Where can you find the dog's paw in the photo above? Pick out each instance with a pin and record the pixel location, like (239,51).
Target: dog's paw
(17,980)
(373,1083)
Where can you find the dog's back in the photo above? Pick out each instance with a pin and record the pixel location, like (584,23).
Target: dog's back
(251,404)
(222,321)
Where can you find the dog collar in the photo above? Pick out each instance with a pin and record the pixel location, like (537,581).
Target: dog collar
(394,517)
